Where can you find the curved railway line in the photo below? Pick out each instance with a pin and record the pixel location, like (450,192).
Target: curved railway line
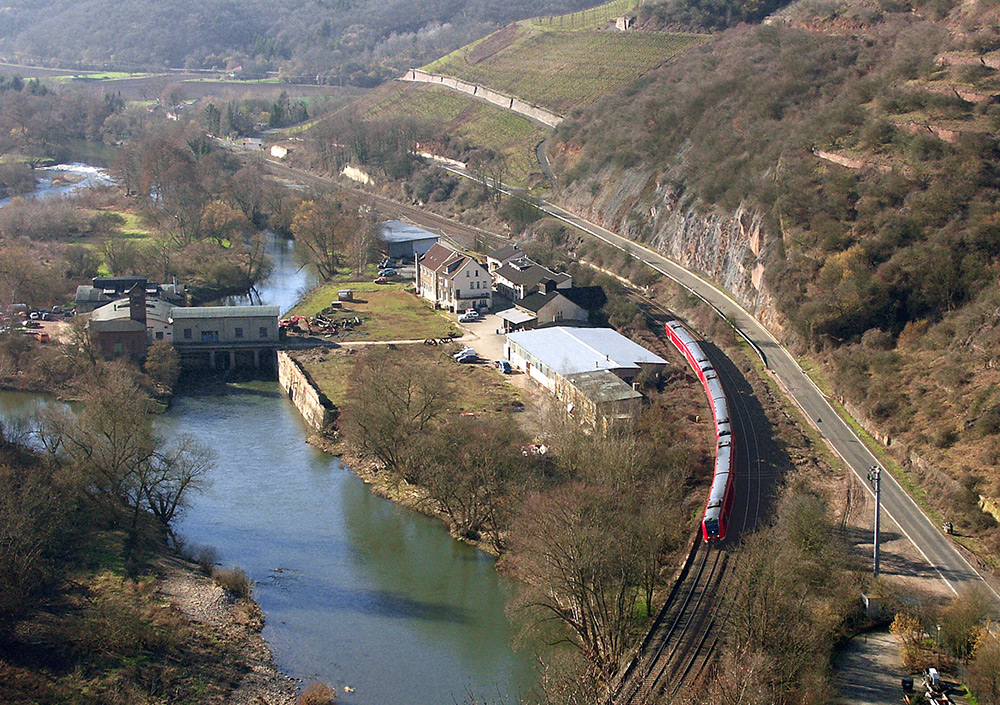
(684,635)
(687,631)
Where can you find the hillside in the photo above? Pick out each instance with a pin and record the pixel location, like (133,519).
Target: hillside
(560,62)
(559,66)
(836,170)
(361,42)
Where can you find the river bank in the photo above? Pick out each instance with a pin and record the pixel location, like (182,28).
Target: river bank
(235,622)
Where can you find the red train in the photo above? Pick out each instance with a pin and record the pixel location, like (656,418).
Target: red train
(720,498)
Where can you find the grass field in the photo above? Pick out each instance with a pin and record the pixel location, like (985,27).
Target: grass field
(474,388)
(460,115)
(561,70)
(387,311)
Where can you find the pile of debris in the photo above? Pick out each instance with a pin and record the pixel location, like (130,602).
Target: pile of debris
(323,323)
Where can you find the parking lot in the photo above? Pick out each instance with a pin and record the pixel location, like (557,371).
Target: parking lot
(484,337)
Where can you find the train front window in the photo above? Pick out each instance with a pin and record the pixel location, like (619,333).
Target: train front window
(711,527)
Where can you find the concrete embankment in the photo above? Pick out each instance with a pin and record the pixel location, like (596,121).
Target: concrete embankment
(318,411)
(516,105)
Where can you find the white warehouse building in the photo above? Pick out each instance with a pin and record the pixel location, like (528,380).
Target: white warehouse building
(587,368)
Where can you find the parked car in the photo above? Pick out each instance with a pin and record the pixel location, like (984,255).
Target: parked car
(32,323)
(469,358)
(504,366)
(466,352)
(468,317)
(387,272)
(34,315)
(381,280)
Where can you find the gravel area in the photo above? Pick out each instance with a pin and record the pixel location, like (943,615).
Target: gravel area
(238,622)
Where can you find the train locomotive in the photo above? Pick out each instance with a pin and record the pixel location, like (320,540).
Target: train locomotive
(720,498)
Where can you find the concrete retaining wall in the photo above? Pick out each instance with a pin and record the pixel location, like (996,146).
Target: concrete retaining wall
(529,110)
(315,408)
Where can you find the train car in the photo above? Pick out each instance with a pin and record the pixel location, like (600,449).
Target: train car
(720,497)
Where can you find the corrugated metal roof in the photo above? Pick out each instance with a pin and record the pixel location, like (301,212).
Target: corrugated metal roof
(572,350)
(188,312)
(398,231)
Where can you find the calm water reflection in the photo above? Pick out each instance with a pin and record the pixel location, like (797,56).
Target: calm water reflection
(356,590)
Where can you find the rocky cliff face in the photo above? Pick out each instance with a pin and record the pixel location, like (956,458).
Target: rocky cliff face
(728,248)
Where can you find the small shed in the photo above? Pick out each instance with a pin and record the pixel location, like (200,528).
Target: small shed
(399,240)
(345,295)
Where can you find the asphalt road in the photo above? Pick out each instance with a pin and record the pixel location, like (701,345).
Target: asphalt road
(939,552)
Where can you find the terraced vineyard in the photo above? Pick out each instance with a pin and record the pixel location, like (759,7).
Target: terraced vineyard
(561,70)
(590,18)
(460,115)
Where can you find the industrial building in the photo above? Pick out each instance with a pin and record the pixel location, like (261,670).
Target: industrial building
(589,369)
(403,241)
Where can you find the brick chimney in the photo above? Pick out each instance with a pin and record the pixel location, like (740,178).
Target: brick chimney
(137,303)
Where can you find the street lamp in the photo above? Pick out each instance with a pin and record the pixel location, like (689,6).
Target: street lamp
(937,646)
(875,478)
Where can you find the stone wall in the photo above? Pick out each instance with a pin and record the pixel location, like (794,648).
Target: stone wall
(318,411)
(529,110)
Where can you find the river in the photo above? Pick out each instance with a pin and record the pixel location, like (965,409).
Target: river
(356,591)
(63,179)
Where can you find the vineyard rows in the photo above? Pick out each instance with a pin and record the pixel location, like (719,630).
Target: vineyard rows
(462,116)
(566,70)
(588,19)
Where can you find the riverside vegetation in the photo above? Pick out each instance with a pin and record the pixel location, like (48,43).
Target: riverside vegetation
(86,508)
(872,264)
(883,271)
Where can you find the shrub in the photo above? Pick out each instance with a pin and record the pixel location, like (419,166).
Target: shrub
(317,693)
(205,556)
(233,580)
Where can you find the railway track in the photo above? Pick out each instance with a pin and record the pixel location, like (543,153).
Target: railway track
(467,237)
(684,637)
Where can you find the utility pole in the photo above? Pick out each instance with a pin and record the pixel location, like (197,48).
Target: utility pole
(875,478)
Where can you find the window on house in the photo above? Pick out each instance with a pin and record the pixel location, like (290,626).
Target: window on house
(159,335)
(239,332)
(187,334)
(210,336)
(118,348)
(263,331)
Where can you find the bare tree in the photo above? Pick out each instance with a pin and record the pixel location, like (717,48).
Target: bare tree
(984,670)
(573,546)
(390,408)
(127,466)
(475,470)
(324,226)
(170,476)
